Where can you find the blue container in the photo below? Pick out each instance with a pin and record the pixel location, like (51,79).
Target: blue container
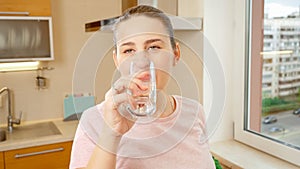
(75,105)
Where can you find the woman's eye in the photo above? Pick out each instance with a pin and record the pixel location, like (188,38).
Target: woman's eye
(153,48)
(128,51)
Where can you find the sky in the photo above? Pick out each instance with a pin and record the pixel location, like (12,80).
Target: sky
(278,8)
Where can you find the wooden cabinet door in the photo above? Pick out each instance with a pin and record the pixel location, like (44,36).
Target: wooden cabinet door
(1,160)
(34,7)
(54,156)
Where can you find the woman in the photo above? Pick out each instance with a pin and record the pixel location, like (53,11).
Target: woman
(105,138)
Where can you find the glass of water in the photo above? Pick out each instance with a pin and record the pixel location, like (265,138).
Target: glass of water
(144,70)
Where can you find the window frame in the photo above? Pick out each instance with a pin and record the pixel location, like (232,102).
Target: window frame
(241,95)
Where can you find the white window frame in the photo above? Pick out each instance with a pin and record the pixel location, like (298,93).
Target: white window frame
(241,88)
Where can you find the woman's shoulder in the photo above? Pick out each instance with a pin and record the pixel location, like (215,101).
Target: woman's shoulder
(92,116)
(190,107)
(91,120)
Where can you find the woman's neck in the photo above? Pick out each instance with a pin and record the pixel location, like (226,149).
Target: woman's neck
(165,104)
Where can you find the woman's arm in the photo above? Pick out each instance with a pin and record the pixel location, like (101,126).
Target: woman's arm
(102,158)
(104,155)
(113,127)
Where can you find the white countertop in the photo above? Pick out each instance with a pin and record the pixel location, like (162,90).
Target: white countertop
(67,130)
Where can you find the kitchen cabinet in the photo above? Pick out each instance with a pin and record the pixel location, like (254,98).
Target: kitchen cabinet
(33,7)
(168,6)
(1,160)
(53,156)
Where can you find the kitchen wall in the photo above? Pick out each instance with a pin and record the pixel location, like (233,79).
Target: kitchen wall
(219,29)
(69,37)
(69,18)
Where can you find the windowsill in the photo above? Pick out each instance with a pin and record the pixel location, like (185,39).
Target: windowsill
(236,155)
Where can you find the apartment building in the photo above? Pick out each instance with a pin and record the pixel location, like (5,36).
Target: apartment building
(281,57)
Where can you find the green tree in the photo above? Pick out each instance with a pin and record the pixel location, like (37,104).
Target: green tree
(273,101)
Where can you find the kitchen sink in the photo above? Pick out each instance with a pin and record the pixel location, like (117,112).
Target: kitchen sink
(31,131)
(2,135)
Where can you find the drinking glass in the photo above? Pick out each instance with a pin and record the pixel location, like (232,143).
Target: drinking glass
(145,102)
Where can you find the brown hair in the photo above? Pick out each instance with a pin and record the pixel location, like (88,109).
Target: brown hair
(149,11)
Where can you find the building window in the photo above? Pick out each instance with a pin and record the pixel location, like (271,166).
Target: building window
(272,98)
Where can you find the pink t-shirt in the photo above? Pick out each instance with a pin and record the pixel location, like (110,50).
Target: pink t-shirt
(175,142)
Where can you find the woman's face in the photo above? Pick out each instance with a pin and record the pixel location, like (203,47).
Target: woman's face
(145,37)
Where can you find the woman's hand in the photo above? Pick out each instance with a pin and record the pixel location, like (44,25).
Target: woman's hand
(115,125)
(123,91)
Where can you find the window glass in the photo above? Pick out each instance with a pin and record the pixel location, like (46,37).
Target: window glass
(274,72)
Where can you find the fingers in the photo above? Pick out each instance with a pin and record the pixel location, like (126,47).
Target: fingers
(111,113)
(125,91)
(133,85)
(118,99)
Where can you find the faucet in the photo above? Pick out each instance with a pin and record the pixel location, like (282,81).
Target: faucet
(10,120)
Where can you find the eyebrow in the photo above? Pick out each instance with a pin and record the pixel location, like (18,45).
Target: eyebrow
(145,43)
(153,40)
(127,44)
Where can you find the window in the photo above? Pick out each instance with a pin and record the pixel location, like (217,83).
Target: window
(268,121)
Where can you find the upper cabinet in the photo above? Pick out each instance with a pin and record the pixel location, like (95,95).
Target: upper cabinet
(168,6)
(26,30)
(25,7)
(26,38)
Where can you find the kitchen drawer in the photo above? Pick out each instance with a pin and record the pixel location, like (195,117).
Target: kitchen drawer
(53,156)
(34,7)
(1,160)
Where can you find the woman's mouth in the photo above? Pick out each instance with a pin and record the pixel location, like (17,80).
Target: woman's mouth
(144,76)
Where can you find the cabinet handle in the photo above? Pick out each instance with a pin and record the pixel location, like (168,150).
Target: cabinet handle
(14,13)
(39,153)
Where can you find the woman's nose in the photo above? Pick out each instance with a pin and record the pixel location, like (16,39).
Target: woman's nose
(141,60)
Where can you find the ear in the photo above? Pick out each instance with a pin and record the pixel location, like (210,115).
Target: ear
(176,54)
(115,59)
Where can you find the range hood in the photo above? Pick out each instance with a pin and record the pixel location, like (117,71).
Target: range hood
(179,23)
